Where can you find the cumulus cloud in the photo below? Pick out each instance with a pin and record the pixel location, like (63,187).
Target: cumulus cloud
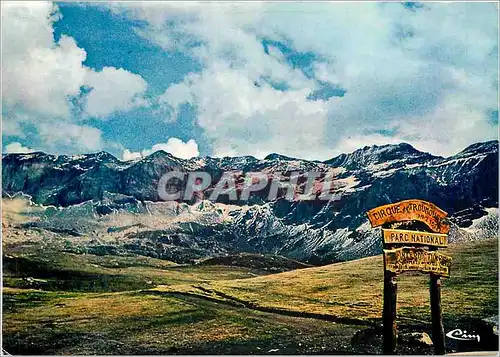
(17,147)
(38,73)
(128,155)
(41,76)
(251,120)
(113,90)
(63,136)
(174,146)
(426,75)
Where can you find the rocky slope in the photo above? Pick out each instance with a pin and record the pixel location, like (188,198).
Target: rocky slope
(98,203)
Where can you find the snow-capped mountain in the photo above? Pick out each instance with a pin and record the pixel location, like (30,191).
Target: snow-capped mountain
(116,207)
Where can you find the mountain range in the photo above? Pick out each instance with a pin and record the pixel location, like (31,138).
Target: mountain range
(97,203)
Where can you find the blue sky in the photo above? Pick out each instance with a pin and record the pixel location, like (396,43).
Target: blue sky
(305,80)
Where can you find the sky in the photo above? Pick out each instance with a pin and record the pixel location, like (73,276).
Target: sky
(308,80)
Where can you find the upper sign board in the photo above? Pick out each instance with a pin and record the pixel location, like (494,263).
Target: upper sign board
(408,210)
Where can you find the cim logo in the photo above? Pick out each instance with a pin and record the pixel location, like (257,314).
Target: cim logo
(458,334)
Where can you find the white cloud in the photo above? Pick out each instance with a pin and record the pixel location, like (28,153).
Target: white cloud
(225,33)
(237,108)
(113,90)
(404,71)
(68,137)
(12,124)
(174,146)
(251,120)
(352,143)
(128,155)
(40,77)
(448,129)
(276,53)
(37,73)
(17,147)
(428,77)
(176,95)
(178,148)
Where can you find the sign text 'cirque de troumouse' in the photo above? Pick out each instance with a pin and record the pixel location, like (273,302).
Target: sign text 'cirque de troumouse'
(408,210)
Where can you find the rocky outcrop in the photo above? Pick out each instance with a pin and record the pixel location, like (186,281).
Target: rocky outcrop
(94,193)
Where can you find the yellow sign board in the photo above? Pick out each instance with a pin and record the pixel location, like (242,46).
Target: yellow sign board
(407,259)
(400,236)
(408,210)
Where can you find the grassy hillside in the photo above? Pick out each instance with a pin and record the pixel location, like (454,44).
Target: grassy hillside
(354,289)
(62,303)
(55,270)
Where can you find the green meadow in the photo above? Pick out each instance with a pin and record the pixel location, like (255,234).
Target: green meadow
(63,303)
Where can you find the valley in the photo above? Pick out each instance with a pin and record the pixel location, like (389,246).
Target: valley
(65,303)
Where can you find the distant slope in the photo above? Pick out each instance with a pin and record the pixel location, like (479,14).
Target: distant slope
(269,263)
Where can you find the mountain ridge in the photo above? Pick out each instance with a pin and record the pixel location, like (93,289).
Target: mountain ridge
(270,156)
(101,197)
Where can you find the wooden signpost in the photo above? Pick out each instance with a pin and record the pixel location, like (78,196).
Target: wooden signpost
(412,250)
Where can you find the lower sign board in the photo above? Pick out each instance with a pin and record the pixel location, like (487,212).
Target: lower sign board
(407,259)
(400,236)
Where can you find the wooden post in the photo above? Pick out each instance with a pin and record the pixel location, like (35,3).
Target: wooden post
(390,329)
(437,315)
